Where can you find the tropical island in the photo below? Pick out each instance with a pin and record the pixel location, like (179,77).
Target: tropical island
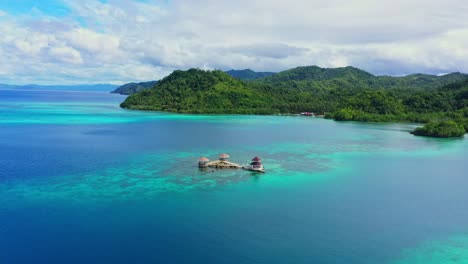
(342,94)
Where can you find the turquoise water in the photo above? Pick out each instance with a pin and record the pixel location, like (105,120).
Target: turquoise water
(83,181)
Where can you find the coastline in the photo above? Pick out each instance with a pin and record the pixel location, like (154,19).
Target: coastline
(322,116)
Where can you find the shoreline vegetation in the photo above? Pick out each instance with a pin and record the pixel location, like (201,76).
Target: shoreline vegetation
(341,94)
(444,129)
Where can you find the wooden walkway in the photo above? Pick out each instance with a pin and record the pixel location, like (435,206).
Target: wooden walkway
(222,164)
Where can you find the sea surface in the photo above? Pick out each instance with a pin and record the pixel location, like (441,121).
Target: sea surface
(84,181)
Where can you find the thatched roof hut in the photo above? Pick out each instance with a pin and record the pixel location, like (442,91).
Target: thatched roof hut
(203,159)
(256,159)
(223,157)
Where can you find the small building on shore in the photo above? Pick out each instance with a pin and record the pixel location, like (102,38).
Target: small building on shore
(223,163)
(256,164)
(202,162)
(223,157)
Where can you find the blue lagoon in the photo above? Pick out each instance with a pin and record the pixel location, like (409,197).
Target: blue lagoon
(84,181)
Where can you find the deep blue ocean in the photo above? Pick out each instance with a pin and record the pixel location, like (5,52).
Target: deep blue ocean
(84,181)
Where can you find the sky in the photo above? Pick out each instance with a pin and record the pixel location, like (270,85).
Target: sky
(118,41)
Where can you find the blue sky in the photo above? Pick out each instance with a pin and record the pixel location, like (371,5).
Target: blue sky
(117,41)
(49,7)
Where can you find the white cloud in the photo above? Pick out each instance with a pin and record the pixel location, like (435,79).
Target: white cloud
(99,46)
(32,44)
(66,54)
(122,41)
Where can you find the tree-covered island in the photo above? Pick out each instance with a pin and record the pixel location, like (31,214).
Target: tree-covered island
(343,94)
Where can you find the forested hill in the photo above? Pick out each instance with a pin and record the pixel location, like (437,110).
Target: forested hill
(343,94)
(248,74)
(315,73)
(313,77)
(302,89)
(420,81)
(198,91)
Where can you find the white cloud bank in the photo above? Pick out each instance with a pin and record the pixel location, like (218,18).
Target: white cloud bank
(123,40)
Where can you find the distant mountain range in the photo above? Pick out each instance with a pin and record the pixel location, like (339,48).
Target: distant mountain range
(350,77)
(131,88)
(83,87)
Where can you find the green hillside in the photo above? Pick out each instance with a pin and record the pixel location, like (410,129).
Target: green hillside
(315,73)
(341,94)
(248,74)
(313,77)
(420,81)
(198,91)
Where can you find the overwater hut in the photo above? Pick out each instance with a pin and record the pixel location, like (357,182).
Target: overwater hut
(223,163)
(223,157)
(202,162)
(256,164)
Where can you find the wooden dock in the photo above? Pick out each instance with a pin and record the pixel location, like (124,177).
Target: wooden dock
(222,164)
(254,170)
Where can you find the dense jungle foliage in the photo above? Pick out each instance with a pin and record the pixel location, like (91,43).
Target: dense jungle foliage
(343,94)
